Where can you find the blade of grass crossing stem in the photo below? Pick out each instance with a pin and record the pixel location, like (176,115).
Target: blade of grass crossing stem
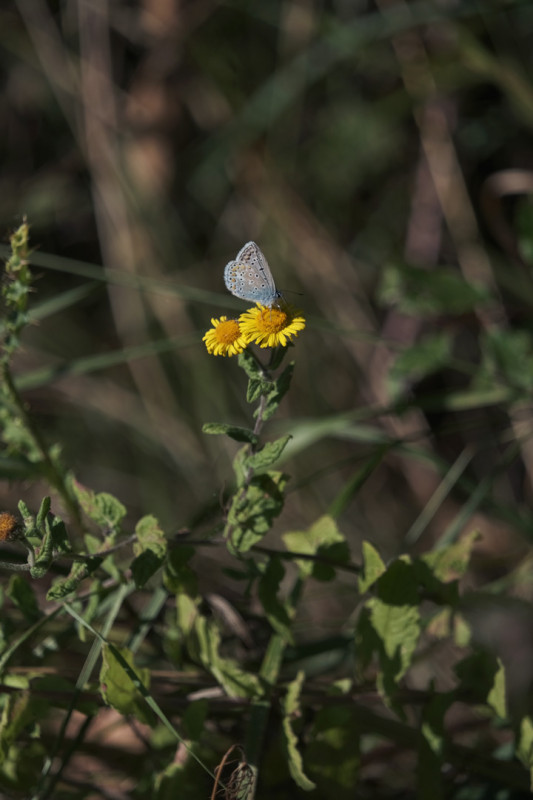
(132,675)
(352,486)
(83,678)
(155,604)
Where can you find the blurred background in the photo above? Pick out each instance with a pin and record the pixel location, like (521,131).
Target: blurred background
(381,155)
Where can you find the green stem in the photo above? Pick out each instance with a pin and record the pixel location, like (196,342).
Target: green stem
(54,475)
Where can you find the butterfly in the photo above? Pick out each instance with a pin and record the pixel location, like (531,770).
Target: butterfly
(249,277)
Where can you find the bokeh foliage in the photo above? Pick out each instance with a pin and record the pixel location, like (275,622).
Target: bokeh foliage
(380,155)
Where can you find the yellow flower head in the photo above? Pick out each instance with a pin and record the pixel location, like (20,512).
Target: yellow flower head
(225,338)
(270,327)
(9,527)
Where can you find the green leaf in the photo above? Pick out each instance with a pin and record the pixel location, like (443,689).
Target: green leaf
(144,566)
(395,617)
(525,746)
(323,540)
(426,357)
(20,712)
(276,391)
(277,612)
(150,550)
(95,545)
(179,576)
(256,389)
(291,709)
(423,292)
(253,510)
(45,554)
(450,563)
(482,675)
(373,567)
(333,754)
(233,679)
(233,431)
(150,537)
(23,596)
(186,612)
(102,508)
(78,572)
(249,364)
(431,747)
(496,698)
(117,687)
(43,512)
(16,715)
(60,540)
(267,455)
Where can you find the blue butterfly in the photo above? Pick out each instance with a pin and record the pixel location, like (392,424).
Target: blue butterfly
(249,277)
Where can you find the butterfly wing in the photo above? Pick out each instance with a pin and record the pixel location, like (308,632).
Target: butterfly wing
(249,276)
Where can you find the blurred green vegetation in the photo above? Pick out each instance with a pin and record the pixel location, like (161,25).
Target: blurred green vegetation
(381,155)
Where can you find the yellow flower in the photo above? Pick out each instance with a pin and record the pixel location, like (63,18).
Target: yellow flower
(9,527)
(225,338)
(269,327)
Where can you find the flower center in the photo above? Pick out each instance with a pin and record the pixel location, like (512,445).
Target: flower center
(273,320)
(227,332)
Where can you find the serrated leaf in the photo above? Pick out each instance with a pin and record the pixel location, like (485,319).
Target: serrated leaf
(117,687)
(324,540)
(103,508)
(253,510)
(373,567)
(235,681)
(233,431)
(150,537)
(291,708)
(450,563)
(268,454)
(277,612)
